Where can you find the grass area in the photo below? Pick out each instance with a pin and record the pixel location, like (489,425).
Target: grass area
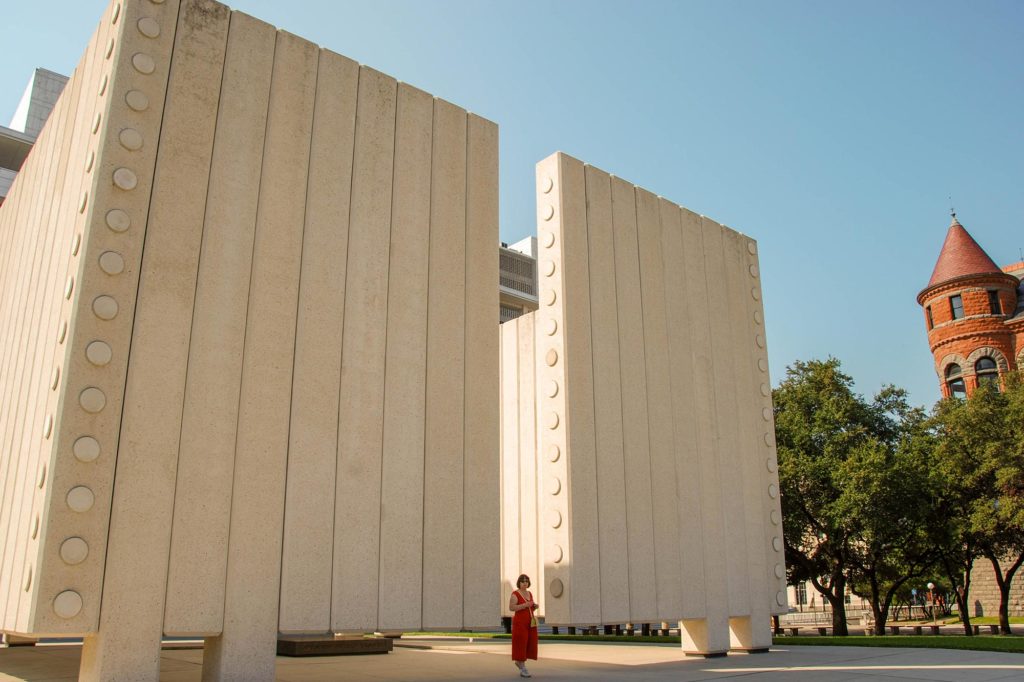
(1014,645)
(987,620)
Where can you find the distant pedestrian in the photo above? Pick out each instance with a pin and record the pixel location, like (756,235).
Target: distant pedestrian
(524,625)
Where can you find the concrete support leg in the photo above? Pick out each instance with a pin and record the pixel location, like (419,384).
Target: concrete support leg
(127,659)
(744,635)
(699,640)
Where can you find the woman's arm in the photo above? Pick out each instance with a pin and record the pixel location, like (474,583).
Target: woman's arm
(513,605)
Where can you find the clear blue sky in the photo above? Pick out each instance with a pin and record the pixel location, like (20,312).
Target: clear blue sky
(832,132)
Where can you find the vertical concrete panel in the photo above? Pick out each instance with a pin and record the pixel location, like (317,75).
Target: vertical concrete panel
(443,466)
(512,511)
(551,382)
(583,553)
(530,551)
(725,407)
(480,487)
(134,583)
(401,504)
(246,649)
(711,633)
(361,407)
(308,543)
(632,369)
(664,495)
(752,631)
(202,510)
(684,412)
(611,491)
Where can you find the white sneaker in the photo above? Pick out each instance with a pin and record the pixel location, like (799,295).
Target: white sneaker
(523,672)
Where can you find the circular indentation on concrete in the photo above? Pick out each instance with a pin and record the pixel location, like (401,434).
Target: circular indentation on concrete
(554,485)
(55,379)
(86,449)
(62,333)
(98,353)
(765,390)
(118,220)
(35,527)
(546,184)
(758,317)
(780,571)
(68,603)
(110,49)
(116,13)
(96,123)
(89,161)
(131,139)
(769,440)
(551,326)
(157,2)
(136,100)
(556,588)
(777,544)
(751,248)
(547,238)
(759,340)
(774,516)
(753,271)
(548,268)
(755,293)
(92,400)
(780,598)
(762,364)
(149,27)
(554,518)
(69,287)
(76,244)
(550,297)
(771,465)
(551,357)
(83,202)
(126,179)
(555,554)
(42,476)
(74,551)
(766,414)
(773,491)
(554,452)
(552,389)
(28,579)
(552,420)
(48,426)
(104,307)
(80,499)
(548,212)
(103,85)
(111,263)
(143,63)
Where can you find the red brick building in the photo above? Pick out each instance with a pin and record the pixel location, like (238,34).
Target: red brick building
(974,313)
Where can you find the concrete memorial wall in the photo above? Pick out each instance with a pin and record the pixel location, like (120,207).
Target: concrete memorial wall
(252,282)
(639,483)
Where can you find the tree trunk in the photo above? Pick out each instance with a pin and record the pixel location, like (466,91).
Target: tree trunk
(1004,582)
(877,611)
(837,598)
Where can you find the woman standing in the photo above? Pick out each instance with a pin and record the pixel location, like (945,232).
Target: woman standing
(524,625)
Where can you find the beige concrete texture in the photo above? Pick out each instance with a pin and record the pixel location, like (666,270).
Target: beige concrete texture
(657,498)
(252,282)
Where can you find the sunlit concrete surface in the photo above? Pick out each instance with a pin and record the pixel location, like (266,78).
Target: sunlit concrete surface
(487,661)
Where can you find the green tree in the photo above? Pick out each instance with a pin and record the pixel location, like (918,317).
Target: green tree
(979,506)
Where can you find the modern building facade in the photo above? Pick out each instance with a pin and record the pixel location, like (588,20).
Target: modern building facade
(33,111)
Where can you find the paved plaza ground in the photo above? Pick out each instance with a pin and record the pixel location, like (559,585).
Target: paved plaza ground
(489,661)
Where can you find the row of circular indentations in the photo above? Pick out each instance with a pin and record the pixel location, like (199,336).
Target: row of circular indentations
(553,516)
(99,352)
(766,413)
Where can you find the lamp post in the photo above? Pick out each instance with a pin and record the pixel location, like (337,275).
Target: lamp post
(931,595)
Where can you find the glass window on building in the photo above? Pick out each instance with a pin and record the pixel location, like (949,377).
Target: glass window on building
(987,372)
(993,303)
(801,594)
(956,307)
(955,381)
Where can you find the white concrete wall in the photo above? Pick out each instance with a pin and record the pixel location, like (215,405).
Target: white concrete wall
(296,385)
(659,500)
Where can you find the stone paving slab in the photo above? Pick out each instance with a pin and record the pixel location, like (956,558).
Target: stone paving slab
(489,662)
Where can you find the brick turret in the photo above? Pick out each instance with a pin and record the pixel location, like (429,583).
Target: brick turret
(974,313)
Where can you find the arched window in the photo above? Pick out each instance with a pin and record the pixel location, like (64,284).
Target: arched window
(955,381)
(987,371)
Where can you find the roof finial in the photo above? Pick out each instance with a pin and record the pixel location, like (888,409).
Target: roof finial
(952,212)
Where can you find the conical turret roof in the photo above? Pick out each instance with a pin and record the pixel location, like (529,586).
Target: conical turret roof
(960,256)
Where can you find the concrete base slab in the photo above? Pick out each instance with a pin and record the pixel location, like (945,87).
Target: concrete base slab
(322,645)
